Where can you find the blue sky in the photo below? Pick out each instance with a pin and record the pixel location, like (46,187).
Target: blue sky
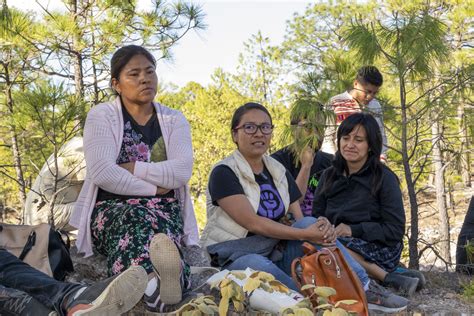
(230,23)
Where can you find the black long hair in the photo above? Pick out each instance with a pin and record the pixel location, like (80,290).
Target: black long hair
(241,110)
(121,58)
(374,140)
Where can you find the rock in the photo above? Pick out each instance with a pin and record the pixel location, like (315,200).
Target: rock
(95,267)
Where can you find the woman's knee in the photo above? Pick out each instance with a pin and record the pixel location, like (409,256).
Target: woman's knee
(254,261)
(305,222)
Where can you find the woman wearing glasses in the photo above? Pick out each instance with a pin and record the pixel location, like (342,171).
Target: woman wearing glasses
(248,193)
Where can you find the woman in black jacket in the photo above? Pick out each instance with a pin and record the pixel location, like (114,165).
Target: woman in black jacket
(362,198)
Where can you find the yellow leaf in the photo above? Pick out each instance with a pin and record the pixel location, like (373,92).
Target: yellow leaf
(239,275)
(205,309)
(239,307)
(327,312)
(209,301)
(324,306)
(339,312)
(226,292)
(266,287)
(223,306)
(347,302)
(239,293)
(265,276)
(277,285)
(324,291)
(251,285)
(254,274)
(303,312)
(225,282)
(185,308)
(307,287)
(304,303)
(214,308)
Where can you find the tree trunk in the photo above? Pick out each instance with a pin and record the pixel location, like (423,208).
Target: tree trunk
(440,190)
(15,148)
(413,239)
(465,149)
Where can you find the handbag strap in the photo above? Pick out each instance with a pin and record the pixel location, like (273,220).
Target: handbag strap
(308,248)
(294,274)
(30,242)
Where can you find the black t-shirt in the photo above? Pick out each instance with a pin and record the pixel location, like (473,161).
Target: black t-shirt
(223,182)
(139,143)
(321,161)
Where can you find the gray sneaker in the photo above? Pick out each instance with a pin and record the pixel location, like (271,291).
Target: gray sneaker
(382,300)
(113,296)
(18,303)
(413,274)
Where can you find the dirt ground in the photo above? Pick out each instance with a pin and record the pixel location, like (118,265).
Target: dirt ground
(441,296)
(443,292)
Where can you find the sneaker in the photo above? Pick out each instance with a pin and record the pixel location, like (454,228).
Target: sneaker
(382,300)
(166,260)
(413,274)
(403,284)
(17,303)
(159,307)
(113,296)
(187,298)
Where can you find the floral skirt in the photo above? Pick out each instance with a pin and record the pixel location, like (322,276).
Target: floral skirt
(123,228)
(385,257)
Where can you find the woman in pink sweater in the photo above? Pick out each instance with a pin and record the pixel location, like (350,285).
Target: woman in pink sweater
(135,207)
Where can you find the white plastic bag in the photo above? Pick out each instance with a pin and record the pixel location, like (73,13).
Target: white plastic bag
(260,299)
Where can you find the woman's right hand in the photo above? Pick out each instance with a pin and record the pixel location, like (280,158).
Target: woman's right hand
(307,157)
(322,232)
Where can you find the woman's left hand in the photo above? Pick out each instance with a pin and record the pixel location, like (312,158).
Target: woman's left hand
(129,166)
(343,230)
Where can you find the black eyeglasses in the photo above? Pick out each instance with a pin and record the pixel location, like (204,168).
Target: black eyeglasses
(251,128)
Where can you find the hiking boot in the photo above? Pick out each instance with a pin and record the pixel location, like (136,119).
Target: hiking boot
(382,300)
(18,303)
(404,284)
(112,296)
(413,274)
(161,307)
(166,260)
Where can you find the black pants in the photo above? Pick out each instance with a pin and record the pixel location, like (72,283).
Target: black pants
(18,275)
(466,234)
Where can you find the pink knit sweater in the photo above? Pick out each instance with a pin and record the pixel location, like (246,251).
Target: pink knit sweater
(103,133)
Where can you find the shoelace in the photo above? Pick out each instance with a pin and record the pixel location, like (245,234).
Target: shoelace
(378,289)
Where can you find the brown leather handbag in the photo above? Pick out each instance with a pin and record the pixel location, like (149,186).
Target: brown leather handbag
(327,267)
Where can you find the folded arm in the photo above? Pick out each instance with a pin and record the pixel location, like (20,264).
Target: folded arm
(100,151)
(176,171)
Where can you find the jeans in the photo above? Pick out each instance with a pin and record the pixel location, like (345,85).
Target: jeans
(18,275)
(281,269)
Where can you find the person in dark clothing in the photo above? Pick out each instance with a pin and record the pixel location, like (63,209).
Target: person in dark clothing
(362,198)
(26,291)
(308,163)
(464,256)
